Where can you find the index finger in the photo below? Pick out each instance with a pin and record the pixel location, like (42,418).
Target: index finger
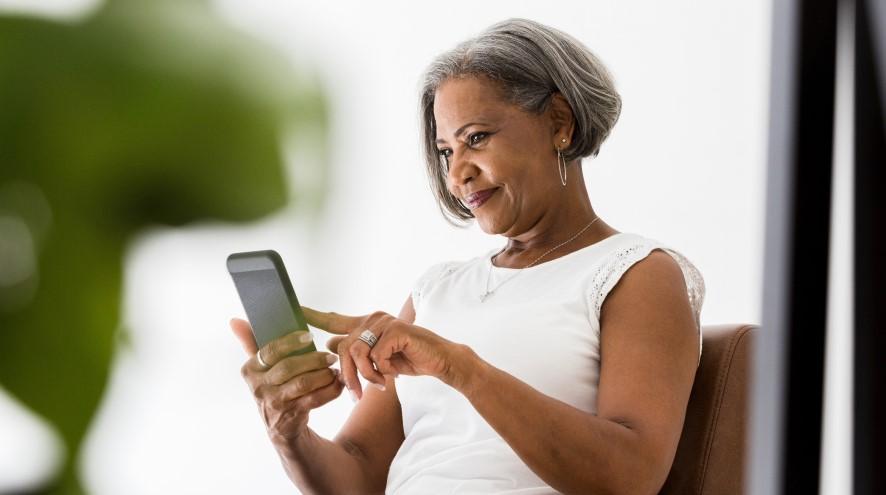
(276,350)
(331,322)
(243,331)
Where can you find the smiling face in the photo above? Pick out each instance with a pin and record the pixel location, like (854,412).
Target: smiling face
(492,144)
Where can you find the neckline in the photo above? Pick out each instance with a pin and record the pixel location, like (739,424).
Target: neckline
(487,258)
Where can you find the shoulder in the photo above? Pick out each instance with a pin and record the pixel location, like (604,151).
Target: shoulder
(651,297)
(650,263)
(655,276)
(432,275)
(441,269)
(649,313)
(438,270)
(658,268)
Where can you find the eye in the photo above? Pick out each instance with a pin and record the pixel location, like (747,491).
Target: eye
(444,158)
(476,138)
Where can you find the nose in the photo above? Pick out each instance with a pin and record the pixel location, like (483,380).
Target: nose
(461,171)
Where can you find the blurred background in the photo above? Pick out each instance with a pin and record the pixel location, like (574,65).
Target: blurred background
(142,142)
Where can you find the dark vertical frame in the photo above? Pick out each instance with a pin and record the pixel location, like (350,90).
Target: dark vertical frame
(869,436)
(788,379)
(812,166)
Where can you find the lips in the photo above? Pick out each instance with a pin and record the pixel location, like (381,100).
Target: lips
(475,200)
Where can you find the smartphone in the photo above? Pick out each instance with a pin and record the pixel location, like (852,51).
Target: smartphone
(267,296)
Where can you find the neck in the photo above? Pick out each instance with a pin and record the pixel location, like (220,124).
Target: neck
(558,223)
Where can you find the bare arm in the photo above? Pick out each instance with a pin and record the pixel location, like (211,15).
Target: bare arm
(318,465)
(649,352)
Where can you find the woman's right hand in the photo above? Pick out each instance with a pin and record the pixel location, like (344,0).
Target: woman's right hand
(291,386)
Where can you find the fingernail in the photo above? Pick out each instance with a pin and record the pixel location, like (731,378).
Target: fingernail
(331,358)
(353,397)
(305,337)
(376,385)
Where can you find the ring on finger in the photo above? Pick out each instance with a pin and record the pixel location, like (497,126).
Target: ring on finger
(261,362)
(369,337)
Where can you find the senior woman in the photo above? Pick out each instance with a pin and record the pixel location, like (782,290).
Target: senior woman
(561,362)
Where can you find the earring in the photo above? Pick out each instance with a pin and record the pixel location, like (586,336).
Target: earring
(561,166)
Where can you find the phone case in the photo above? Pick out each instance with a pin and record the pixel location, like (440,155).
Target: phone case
(267,296)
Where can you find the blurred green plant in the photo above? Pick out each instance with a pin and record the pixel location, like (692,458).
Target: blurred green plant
(146,112)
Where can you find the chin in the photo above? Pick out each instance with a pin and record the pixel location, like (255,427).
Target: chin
(489,227)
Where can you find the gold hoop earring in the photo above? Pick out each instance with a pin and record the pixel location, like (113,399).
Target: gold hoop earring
(561,167)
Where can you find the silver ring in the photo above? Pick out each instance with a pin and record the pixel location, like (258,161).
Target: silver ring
(261,361)
(369,337)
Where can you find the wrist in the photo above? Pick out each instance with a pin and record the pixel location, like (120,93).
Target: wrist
(292,444)
(466,370)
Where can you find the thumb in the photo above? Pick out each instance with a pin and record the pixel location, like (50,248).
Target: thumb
(243,331)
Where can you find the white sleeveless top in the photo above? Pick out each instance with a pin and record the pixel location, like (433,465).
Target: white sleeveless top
(541,326)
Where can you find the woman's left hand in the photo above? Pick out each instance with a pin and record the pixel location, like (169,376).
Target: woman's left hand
(402,348)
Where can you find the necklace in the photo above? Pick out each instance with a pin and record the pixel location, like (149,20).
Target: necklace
(489,292)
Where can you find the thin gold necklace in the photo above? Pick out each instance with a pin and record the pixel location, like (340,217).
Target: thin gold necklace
(489,292)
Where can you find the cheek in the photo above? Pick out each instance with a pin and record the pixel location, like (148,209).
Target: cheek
(530,190)
(514,200)
(520,172)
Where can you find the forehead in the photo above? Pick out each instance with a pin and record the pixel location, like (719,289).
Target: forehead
(468,98)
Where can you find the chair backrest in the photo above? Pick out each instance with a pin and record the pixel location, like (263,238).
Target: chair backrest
(710,456)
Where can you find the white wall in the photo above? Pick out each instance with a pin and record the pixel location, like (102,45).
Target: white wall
(685,164)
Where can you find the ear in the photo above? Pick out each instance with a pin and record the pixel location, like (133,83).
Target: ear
(562,120)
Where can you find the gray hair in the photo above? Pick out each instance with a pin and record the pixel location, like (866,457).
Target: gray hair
(531,62)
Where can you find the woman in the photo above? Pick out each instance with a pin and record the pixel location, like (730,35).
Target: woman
(560,362)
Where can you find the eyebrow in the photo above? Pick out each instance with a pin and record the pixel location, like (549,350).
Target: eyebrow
(459,131)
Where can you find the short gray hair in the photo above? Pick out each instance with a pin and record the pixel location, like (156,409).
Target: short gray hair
(531,62)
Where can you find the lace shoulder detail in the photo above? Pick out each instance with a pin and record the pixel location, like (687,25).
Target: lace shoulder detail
(610,271)
(436,272)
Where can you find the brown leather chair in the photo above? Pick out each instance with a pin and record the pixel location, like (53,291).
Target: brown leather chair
(710,456)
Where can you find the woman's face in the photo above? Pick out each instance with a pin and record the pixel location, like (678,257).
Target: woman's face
(492,144)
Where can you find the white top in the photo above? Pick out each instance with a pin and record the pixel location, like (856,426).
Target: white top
(541,326)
